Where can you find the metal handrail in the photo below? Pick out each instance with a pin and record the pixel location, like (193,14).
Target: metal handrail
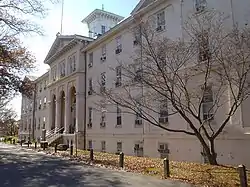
(55,132)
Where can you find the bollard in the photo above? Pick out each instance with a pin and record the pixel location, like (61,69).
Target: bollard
(121,160)
(14,141)
(91,154)
(44,146)
(21,143)
(166,168)
(28,143)
(243,176)
(55,148)
(71,149)
(35,145)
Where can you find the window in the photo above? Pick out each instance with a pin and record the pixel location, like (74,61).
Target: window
(44,122)
(103,57)
(160,21)
(118,82)
(53,71)
(203,42)
(200,5)
(163,149)
(45,84)
(39,123)
(207,104)
(118,116)
(40,104)
(41,87)
(62,68)
(103,29)
(103,118)
(118,45)
(90,118)
(163,114)
(103,82)
(44,101)
(90,60)
(119,147)
(138,119)
(103,146)
(72,63)
(90,92)
(90,146)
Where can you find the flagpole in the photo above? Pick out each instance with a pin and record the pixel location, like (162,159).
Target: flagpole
(62,17)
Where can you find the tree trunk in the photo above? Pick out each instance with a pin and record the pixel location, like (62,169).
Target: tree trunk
(209,152)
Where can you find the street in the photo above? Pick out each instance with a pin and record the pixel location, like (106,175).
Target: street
(21,167)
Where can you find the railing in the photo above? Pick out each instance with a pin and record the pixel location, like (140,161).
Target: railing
(53,135)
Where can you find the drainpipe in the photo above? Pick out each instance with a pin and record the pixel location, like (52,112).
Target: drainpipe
(33,113)
(85,101)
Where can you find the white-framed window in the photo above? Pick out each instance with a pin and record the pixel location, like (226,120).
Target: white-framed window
(119,147)
(40,104)
(103,29)
(53,73)
(160,21)
(44,102)
(90,92)
(62,68)
(72,63)
(118,82)
(39,123)
(118,115)
(200,5)
(118,45)
(203,42)
(103,116)
(90,109)
(207,104)
(103,146)
(163,113)
(163,149)
(45,84)
(162,146)
(44,122)
(41,87)
(91,59)
(90,144)
(103,82)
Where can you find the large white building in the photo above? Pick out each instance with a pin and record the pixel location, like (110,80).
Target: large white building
(81,66)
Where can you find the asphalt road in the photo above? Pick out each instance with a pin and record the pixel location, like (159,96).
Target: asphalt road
(20,167)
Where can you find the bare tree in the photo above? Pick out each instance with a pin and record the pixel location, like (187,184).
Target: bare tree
(15,60)
(201,78)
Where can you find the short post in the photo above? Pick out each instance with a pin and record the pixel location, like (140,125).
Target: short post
(35,145)
(71,149)
(243,176)
(55,148)
(21,143)
(166,167)
(14,141)
(121,160)
(91,154)
(43,146)
(28,143)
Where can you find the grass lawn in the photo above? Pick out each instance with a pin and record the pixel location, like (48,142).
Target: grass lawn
(199,174)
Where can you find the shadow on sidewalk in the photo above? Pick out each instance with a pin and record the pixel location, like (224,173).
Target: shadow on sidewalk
(24,168)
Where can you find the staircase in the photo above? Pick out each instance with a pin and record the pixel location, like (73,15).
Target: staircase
(53,135)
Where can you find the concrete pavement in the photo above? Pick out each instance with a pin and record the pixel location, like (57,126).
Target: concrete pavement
(26,168)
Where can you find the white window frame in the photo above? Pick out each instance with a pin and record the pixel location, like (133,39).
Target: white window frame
(119,146)
(103,81)
(103,29)
(118,115)
(90,117)
(118,70)
(209,104)
(103,146)
(90,144)
(161,20)
(119,42)
(91,59)
(200,5)
(163,112)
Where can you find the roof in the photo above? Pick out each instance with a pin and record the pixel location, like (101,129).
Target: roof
(142,4)
(56,44)
(97,12)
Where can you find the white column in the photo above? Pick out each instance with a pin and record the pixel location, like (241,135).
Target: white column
(67,113)
(49,121)
(80,113)
(58,114)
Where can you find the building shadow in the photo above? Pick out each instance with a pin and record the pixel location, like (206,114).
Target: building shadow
(27,169)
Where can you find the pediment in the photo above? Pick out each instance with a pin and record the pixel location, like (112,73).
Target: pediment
(142,4)
(57,45)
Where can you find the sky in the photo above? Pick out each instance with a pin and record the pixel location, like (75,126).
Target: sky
(74,12)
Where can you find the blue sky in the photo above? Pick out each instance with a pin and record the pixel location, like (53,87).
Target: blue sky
(74,12)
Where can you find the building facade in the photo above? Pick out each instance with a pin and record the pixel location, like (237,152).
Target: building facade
(81,66)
